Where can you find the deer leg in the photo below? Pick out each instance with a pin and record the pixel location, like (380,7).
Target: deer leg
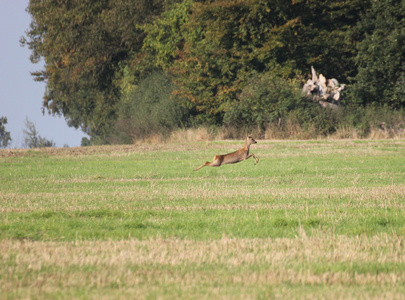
(207,163)
(254,156)
(216,163)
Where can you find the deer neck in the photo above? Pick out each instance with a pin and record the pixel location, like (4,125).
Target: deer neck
(247,146)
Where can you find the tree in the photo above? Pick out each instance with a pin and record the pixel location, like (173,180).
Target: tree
(83,44)
(32,139)
(164,38)
(264,100)
(5,136)
(225,42)
(150,109)
(324,36)
(381,55)
(85,142)
(214,48)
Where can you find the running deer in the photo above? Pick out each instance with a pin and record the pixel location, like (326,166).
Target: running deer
(234,157)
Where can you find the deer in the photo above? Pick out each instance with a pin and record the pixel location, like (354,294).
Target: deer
(234,157)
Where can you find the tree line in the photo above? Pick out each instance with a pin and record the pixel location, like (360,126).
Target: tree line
(121,70)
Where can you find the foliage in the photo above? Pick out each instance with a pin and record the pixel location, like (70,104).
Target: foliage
(85,142)
(381,55)
(32,139)
(324,37)
(5,136)
(314,122)
(82,44)
(225,43)
(149,109)
(164,37)
(214,48)
(218,55)
(264,100)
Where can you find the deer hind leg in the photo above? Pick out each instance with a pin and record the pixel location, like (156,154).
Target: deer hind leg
(207,163)
(216,163)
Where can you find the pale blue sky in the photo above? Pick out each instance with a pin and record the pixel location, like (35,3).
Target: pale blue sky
(20,95)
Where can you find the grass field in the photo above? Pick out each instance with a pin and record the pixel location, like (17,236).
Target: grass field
(314,219)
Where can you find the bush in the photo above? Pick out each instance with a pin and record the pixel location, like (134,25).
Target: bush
(150,109)
(345,122)
(268,107)
(264,100)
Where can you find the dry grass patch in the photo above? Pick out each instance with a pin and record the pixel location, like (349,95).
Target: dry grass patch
(238,268)
(204,197)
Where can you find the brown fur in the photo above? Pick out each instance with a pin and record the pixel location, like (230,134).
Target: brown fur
(234,157)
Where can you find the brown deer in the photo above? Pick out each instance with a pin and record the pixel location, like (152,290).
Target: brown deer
(234,157)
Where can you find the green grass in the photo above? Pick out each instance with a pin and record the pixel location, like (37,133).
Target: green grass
(332,196)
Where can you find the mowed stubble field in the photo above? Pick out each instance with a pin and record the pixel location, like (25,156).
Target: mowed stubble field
(314,219)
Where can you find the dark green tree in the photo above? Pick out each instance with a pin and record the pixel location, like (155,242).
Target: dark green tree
(85,142)
(266,99)
(381,55)
(5,137)
(324,36)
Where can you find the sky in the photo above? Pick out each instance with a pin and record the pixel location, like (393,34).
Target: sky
(21,96)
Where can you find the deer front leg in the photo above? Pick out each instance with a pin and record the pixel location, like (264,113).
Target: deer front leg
(254,156)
